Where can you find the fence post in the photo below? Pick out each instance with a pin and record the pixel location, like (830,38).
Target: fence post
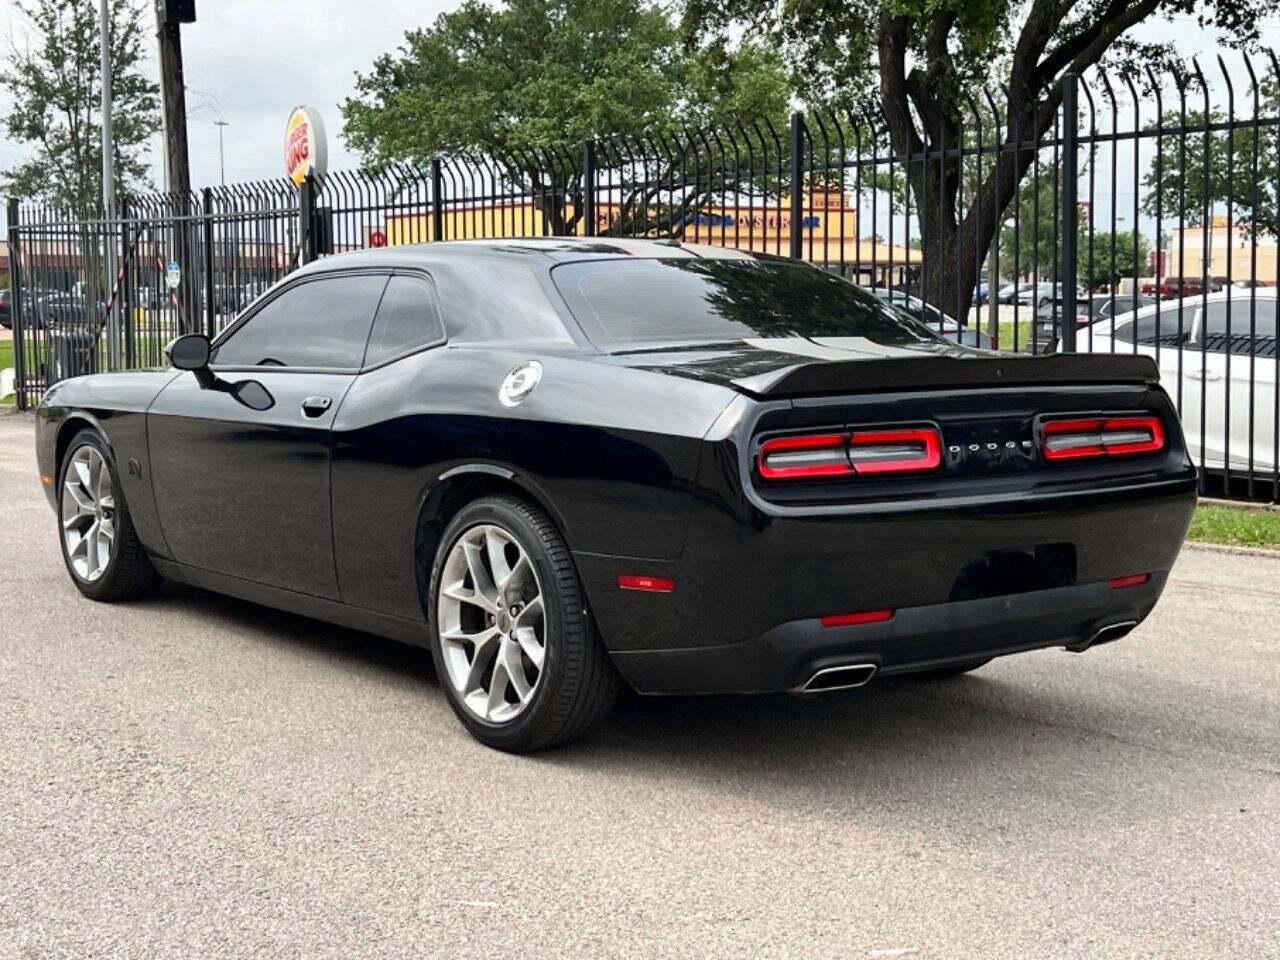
(15,285)
(125,295)
(1070,207)
(206,229)
(588,188)
(306,214)
(437,200)
(797,185)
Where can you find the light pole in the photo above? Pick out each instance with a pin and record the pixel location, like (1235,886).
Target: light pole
(222,162)
(108,188)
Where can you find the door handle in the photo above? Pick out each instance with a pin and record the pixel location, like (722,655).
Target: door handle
(315,406)
(1198,375)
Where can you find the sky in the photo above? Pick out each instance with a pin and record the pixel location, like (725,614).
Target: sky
(250,62)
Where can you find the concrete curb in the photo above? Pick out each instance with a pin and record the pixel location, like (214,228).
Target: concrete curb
(1232,548)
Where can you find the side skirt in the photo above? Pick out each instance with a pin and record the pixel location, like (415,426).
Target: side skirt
(394,628)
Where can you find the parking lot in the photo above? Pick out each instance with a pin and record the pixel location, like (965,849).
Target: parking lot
(197,776)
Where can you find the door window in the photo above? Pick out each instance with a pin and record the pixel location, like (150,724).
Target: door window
(1162,324)
(320,323)
(408,319)
(1241,326)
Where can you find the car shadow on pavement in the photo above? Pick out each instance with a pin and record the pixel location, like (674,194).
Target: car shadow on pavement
(1014,734)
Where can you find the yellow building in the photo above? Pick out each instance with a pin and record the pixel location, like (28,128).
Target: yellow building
(829,230)
(1230,248)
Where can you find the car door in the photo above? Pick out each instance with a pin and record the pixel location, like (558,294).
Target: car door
(241,471)
(1239,381)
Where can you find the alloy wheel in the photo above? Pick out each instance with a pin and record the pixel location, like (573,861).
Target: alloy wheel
(492,623)
(88,514)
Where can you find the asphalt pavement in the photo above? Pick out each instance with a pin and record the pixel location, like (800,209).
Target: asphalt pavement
(194,776)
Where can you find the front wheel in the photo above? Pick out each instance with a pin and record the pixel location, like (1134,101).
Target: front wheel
(99,545)
(513,644)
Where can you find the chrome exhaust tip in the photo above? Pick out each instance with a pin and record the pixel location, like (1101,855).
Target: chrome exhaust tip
(1112,631)
(844,677)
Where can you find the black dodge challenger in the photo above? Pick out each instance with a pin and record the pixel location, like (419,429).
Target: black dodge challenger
(563,464)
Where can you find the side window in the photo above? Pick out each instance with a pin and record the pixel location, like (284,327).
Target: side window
(407,319)
(1239,315)
(320,323)
(1162,324)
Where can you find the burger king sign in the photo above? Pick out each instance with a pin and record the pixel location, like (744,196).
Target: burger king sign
(306,152)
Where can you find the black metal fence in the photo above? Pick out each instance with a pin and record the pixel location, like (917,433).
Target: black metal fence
(1034,220)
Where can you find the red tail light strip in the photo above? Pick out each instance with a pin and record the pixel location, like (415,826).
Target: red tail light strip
(863,452)
(850,619)
(1133,580)
(1102,437)
(895,451)
(820,455)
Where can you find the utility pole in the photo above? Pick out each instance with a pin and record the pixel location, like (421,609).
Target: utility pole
(108,190)
(170,15)
(222,158)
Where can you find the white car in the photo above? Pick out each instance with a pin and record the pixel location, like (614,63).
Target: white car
(1218,361)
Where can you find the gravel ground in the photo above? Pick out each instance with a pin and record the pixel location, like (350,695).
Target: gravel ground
(193,776)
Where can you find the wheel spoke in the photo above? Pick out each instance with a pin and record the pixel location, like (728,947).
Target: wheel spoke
(495,549)
(480,660)
(530,614)
(82,471)
(497,689)
(84,505)
(486,593)
(509,655)
(532,648)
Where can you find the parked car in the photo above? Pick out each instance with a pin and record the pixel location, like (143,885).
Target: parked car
(1034,294)
(1050,317)
(1217,354)
(6,309)
(1173,287)
(562,464)
(937,321)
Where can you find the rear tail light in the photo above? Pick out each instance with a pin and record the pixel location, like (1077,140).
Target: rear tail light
(861,453)
(1101,437)
(1133,580)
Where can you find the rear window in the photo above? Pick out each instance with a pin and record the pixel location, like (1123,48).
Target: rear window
(639,301)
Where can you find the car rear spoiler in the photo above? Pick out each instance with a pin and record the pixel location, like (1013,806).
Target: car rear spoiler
(942,372)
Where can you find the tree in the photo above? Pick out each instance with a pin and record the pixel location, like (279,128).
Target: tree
(528,82)
(922,62)
(54,78)
(1239,167)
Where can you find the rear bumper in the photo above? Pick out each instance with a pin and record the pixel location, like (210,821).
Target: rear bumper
(748,597)
(917,638)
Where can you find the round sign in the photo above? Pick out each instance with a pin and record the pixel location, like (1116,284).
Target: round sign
(173,275)
(306,150)
(377,238)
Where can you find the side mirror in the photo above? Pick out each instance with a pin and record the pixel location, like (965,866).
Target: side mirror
(191,352)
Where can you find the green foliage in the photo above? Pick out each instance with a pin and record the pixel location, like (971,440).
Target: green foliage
(1242,169)
(547,74)
(54,80)
(1235,525)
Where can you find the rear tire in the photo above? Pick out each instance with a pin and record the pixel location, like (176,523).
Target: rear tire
(100,547)
(947,673)
(513,644)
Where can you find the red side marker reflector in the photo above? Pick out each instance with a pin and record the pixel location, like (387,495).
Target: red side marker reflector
(1133,580)
(849,619)
(655,584)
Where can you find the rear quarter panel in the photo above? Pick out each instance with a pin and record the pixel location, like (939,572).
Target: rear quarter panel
(611,453)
